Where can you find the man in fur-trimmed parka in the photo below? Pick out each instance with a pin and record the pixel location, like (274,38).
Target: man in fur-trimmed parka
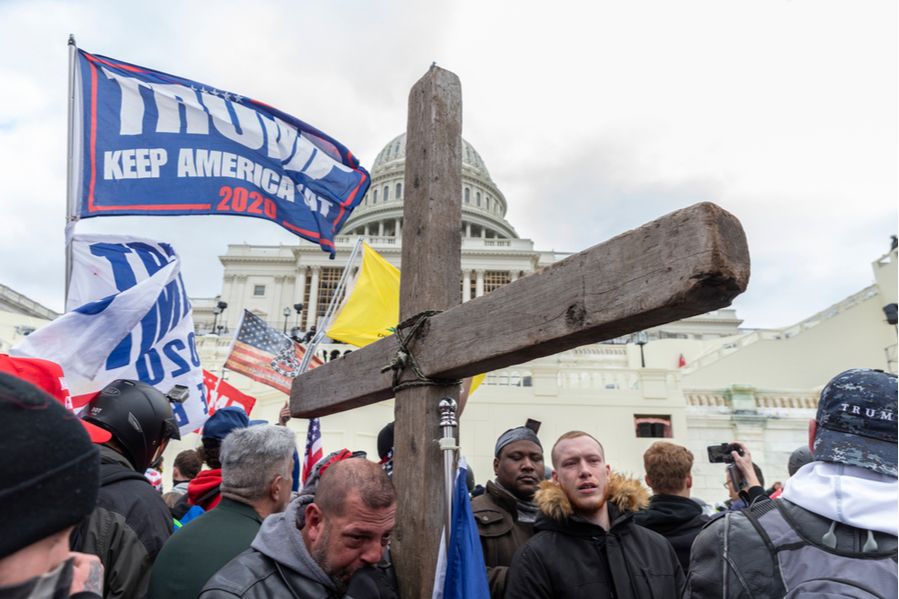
(587,544)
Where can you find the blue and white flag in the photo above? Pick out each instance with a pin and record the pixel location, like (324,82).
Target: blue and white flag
(128,318)
(152,143)
(461,569)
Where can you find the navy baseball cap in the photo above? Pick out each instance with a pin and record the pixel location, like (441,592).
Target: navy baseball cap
(857,421)
(224,421)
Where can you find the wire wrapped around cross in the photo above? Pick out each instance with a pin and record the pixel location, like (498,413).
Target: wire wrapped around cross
(404,358)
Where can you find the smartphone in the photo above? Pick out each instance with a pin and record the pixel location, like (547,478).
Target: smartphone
(721,453)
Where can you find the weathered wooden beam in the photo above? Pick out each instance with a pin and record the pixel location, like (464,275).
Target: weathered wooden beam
(432,248)
(682,264)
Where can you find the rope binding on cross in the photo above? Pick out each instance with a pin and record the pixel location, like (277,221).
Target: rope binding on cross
(406,334)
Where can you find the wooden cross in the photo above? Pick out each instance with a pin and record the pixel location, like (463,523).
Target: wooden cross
(686,263)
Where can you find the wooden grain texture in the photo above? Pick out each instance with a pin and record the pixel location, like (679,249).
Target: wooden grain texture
(432,244)
(682,264)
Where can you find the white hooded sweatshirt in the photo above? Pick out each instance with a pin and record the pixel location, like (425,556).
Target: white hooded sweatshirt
(848,494)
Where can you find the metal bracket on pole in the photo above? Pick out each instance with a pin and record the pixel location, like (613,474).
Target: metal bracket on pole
(447,407)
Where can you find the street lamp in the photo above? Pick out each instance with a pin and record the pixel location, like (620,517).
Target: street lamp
(286,313)
(218,309)
(641,338)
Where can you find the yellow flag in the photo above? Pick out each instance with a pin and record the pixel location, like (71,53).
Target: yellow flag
(373,308)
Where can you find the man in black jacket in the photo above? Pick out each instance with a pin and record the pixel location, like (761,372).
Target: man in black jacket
(671,512)
(321,547)
(141,422)
(587,544)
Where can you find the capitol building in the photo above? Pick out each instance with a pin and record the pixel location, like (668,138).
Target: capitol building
(699,381)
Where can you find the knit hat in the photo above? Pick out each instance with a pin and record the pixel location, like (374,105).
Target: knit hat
(224,421)
(519,433)
(49,469)
(857,421)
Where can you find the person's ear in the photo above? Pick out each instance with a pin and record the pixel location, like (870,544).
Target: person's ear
(314,522)
(647,480)
(555,478)
(689,481)
(812,431)
(495,466)
(274,488)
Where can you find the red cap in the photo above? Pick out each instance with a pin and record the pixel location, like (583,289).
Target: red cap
(48,377)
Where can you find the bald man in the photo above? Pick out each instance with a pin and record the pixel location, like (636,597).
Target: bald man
(314,549)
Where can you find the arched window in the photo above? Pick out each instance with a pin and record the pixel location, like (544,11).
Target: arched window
(399,191)
(374,197)
(467,195)
(478,199)
(386,193)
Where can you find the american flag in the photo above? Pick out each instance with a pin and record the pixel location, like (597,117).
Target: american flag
(265,354)
(314,451)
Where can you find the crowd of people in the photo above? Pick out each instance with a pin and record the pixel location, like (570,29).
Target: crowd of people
(81,519)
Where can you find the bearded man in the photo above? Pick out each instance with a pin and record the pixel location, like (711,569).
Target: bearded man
(587,544)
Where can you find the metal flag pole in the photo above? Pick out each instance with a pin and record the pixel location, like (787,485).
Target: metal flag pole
(447,409)
(73,148)
(332,307)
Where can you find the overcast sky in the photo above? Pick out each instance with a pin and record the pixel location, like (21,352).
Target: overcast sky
(592,118)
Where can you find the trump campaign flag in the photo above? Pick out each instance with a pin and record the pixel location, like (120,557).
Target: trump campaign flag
(128,318)
(220,394)
(146,142)
(266,355)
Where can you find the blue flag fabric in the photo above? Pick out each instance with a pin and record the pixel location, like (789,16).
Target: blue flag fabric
(466,574)
(154,143)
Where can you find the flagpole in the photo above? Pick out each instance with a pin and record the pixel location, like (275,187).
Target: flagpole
(332,307)
(71,175)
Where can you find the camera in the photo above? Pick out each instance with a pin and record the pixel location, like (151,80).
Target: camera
(177,394)
(722,453)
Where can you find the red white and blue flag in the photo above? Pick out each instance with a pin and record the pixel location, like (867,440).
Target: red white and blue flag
(314,451)
(157,144)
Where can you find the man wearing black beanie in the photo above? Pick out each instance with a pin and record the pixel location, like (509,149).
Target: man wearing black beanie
(49,479)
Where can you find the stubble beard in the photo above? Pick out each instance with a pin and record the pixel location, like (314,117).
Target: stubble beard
(340,577)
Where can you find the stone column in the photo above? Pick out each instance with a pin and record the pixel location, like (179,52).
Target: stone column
(312,313)
(513,276)
(466,285)
(468,230)
(380,228)
(397,228)
(366,230)
(479,284)
(299,287)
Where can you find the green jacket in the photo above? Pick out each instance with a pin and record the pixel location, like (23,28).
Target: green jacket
(200,548)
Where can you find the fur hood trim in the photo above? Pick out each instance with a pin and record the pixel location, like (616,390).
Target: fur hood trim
(626,493)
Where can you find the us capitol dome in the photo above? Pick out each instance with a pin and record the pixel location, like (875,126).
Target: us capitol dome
(381,211)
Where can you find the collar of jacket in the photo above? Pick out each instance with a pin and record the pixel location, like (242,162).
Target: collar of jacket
(108,455)
(502,497)
(244,509)
(625,496)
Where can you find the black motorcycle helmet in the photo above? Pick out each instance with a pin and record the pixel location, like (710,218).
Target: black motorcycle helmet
(138,416)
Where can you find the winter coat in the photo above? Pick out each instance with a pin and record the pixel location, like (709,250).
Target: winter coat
(678,519)
(126,563)
(205,489)
(571,557)
(126,492)
(200,549)
(277,565)
(501,535)
(730,559)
